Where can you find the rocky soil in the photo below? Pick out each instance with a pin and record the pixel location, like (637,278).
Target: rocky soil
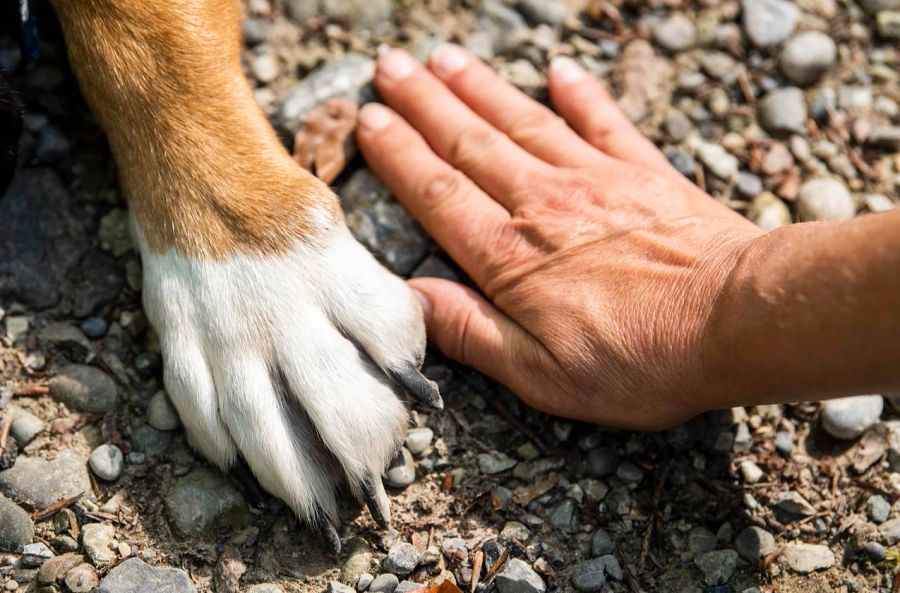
(786,111)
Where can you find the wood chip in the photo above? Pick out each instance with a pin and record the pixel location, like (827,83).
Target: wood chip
(324,143)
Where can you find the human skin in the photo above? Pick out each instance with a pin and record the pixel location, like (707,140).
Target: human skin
(613,290)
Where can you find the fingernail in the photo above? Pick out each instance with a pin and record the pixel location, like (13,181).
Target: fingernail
(396,64)
(566,70)
(374,116)
(426,304)
(447,58)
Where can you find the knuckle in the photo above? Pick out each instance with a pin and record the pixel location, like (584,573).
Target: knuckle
(443,186)
(471,144)
(531,126)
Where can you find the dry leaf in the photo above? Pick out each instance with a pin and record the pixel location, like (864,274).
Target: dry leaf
(525,494)
(324,143)
(645,77)
(445,587)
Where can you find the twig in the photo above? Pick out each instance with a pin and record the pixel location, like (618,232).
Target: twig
(476,569)
(4,429)
(31,389)
(497,567)
(56,507)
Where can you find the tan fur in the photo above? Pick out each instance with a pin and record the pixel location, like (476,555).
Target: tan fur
(199,164)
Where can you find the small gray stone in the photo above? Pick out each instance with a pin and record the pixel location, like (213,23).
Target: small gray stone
(825,198)
(718,65)
(629,472)
(887,137)
(719,161)
(806,558)
(602,544)
(161,414)
(501,22)
(603,461)
(849,417)
(495,462)
(748,185)
(784,442)
(675,33)
(769,22)
(518,577)
(563,515)
(54,570)
(336,587)
(384,583)
(84,388)
(365,579)
(82,579)
(34,555)
(149,441)
(402,471)
(547,12)
(591,575)
(97,539)
(878,509)
(25,427)
(768,212)
(63,335)
(750,471)
(683,162)
(783,111)
(717,566)
(754,543)
(890,531)
(407,586)
(807,56)
(402,559)
(107,462)
(43,482)
(874,552)
(264,67)
(265,588)
(380,223)
(94,327)
(16,528)
(795,505)
(202,502)
(136,576)
(677,126)
(418,440)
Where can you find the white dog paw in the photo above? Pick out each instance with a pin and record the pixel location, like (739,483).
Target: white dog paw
(292,363)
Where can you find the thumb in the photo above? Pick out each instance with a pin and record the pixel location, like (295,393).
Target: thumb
(470,330)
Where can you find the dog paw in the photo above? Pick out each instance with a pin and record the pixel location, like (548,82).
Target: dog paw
(292,362)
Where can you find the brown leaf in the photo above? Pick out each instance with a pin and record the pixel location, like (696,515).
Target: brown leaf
(645,77)
(525,494)
(324,143)
(445,587)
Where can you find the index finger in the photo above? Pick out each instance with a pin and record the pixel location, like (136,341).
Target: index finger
(463,219)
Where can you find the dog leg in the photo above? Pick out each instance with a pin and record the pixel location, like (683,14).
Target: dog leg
(281,335)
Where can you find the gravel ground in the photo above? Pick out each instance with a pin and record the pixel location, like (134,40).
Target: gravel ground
(784,111)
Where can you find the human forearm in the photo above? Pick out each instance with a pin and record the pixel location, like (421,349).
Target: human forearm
(812,311)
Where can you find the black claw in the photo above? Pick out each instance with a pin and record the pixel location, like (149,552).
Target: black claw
(423,389)
(329,535)
(241,472)
(368,493)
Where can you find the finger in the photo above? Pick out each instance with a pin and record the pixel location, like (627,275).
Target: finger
(460,216)
(459,136)
(592,112)
(528,123)
(470,330)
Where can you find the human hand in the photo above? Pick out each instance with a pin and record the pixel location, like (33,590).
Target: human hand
(599,263)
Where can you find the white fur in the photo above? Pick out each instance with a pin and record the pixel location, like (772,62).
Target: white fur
(229,329)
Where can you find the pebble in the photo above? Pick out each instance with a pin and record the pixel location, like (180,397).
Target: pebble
(718,65)
(630,472)
(806,558)
(719,162)
(675,33)
(518,577)
(82,579)
(337,587)
(825,198)
(16,527)
(402,471)
(682,162)
(384,583)
(807,56)
(97,539)
(717,566)
(203,501)
(776,159)
(547,12)
(34,555)
(563,515)
(107,462)
(792,503)
(54,570)
(495,462)
(364,580)
(750,471)
(890,531)
(855,99)
(874,552)
(591,575)
(25,427)
(878,509)
(769,22)
(783,111)
(136,576)
(701,540)
(501,22)
(161,414)
(43,482)
(84,388)
(677,126)
(784,442)
(94,327)
(748,185)
(149,441)
(380,223)
(418,440)
(888,22)
(887,137)
(402,559)
(264,67)
(754,543)
(408,587)
(602,544)
(345,77)
(65,336)
(849,417)
(359,560)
